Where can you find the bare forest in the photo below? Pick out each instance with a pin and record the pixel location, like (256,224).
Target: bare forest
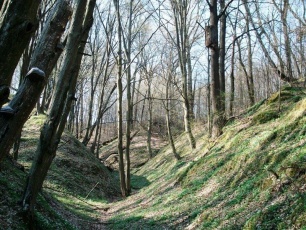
(150,70)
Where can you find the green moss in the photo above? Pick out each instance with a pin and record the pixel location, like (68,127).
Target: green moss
(255,107)
(264,117)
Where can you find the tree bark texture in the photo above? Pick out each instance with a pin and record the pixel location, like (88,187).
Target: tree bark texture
(18,22)
(44,57)
(51,131)
(213,45)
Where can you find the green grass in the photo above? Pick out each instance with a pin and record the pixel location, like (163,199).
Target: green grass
(232,186)
(251,177)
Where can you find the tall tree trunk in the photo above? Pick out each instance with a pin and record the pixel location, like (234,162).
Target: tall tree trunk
(212,42)
(222,57)
(232,79)
(44,57)
(53,126)
(119,103)
(180,17)
(129,106)
(209,115)
(189,81)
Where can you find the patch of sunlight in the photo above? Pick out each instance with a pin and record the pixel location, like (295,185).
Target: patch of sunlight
(298,111)
(261,139)
(208,188)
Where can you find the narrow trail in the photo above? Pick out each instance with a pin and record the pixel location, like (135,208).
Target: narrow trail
(108,211)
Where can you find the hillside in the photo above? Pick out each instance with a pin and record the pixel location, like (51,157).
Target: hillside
(252,177)
(75,182)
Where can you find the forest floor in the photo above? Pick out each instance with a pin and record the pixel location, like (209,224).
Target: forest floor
(251,177)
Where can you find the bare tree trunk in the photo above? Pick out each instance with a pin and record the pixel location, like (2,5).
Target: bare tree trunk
(149,124)
(53,126)
(180,17)
(17,24)
(168,111)
(213,44)
(284,14)
(222,57)
(129,109)
(232,79)
(209,115)
(189,84)
(250,78)
(119,103)
(44,57)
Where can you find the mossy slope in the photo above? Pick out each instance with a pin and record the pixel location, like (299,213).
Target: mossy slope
(251,177)
(75,183)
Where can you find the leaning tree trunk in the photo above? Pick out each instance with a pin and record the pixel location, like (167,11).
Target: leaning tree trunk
(52,129)
(17,24)
(44,58)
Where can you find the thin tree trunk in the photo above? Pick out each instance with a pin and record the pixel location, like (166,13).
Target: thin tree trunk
(119,103)
(149,122)
(168,110)
(129,109)
(209,115)
(180,17)
(222,58)
(232,79)
(249,76)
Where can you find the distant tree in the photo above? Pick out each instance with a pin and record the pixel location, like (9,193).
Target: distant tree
(260,32)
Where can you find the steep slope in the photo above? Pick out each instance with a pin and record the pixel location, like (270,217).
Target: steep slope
(251,177)
(75,183)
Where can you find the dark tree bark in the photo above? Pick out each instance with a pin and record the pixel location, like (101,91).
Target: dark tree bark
(17,24)
(217,82)
(53,126)
(212,42)
(44,58)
